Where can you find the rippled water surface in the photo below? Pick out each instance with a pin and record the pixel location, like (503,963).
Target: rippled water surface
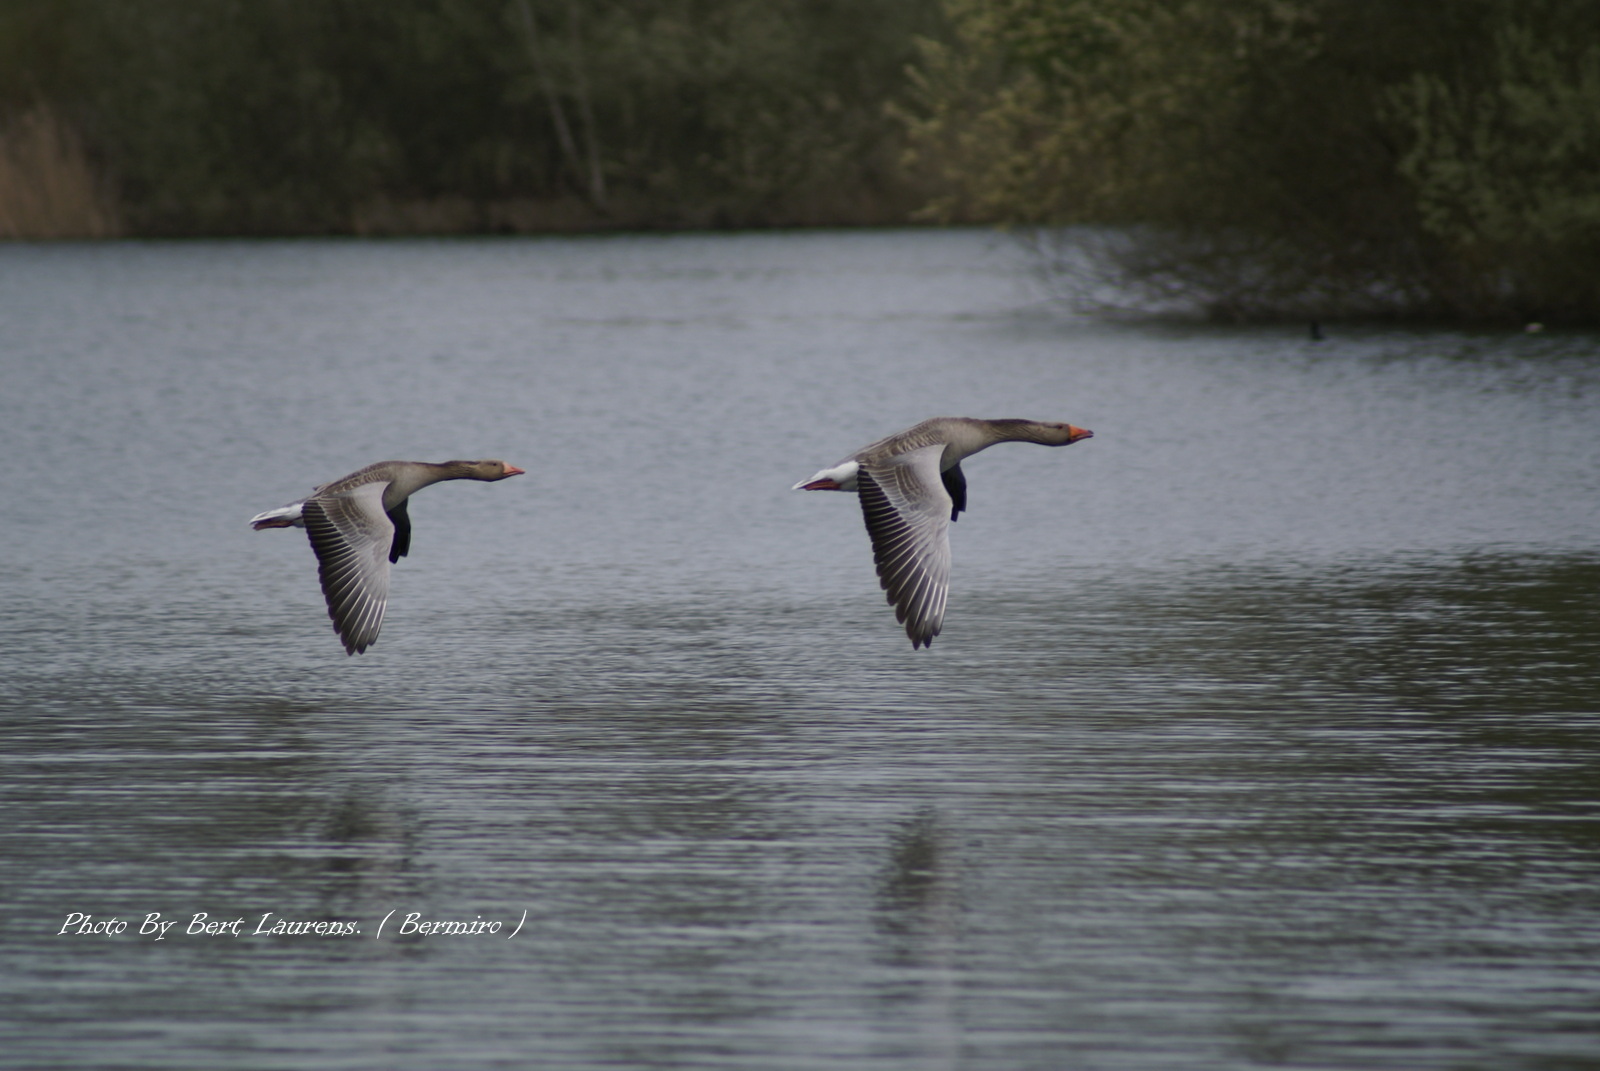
(1263,731)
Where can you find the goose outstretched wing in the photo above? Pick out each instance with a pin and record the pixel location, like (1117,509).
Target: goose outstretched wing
(352,537)
(907,510)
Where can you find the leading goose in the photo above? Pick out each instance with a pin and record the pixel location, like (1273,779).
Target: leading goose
(911,488)
(358,526)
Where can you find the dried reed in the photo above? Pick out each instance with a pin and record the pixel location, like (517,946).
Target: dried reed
(48,187)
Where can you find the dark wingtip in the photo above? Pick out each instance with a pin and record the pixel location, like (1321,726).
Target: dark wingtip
(350,646)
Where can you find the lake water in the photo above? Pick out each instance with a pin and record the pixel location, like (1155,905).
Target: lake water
(1264,730)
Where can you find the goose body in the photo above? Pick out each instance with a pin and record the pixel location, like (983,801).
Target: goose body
(358,526)
(911,487)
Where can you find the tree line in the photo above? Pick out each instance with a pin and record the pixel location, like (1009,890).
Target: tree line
(1256,158)
(331,116)
(1435,158)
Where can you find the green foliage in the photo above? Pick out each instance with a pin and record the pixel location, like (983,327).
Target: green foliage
(1284,157)
(1253,157)
(1506,167)
(301,115)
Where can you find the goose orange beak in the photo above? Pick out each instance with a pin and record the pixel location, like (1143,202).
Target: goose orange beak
(512,470)
(1078,433)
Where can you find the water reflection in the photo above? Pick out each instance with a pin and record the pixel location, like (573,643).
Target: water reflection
(1477,631)
(1262,733)
(919,922)
(919,891)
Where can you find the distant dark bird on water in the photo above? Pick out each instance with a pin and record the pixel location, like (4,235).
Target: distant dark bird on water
(358,526)
(911,488)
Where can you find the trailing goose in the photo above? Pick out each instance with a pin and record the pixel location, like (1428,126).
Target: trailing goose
(911,488)
(358,525)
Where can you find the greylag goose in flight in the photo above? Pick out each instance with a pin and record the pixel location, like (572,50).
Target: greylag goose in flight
(911,488)
(358,526)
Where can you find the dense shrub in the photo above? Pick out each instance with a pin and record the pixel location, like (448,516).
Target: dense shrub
(1285,157)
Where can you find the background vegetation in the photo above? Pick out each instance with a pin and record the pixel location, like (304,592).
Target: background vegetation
(317,116)
(1253,157)
(1285,157)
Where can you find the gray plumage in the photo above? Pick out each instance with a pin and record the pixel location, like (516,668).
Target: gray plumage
(358,526)
(911,487)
